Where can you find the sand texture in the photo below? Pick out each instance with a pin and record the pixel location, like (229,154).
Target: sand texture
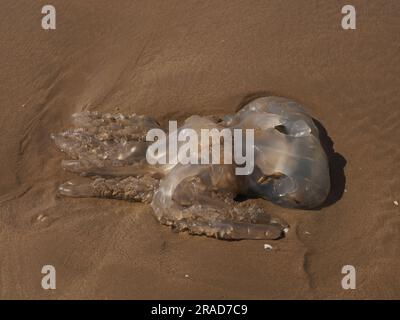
(171,59)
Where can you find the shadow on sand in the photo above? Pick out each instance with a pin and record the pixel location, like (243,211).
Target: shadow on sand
(336,167)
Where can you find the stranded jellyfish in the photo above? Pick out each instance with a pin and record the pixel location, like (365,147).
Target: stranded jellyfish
(290,168)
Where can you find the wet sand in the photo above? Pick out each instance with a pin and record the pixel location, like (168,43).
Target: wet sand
(172,59)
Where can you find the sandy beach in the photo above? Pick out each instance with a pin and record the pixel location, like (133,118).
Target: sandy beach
(171,59)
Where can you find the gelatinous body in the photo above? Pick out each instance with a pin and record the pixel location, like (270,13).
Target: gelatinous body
(291,169)
(291,165)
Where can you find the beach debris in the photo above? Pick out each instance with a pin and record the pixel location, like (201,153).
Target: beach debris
(267,246)
(290,168)
(396,203)
(41,217)
(286,230)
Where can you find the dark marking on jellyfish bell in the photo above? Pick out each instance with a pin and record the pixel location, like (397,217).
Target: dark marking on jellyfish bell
(266,179)
(281,128)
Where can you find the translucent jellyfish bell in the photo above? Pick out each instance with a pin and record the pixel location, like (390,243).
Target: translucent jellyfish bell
(291,167)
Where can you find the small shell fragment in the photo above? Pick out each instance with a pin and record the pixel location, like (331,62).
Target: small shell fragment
(286,230)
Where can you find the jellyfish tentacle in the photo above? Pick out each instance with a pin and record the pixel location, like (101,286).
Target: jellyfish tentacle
(111,149)
(138,189)
(86,168)
(197,200)
(230,230)
(105,140)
